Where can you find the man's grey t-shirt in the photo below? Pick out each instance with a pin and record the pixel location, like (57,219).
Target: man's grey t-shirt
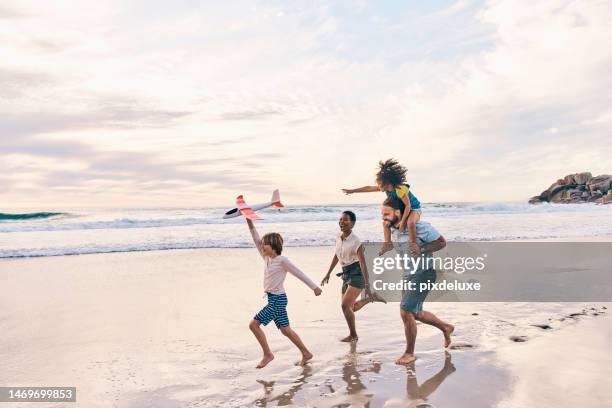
(426,233)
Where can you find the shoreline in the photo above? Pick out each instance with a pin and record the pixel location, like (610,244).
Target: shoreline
(595,238)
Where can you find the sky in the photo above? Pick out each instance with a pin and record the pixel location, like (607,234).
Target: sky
(190,103)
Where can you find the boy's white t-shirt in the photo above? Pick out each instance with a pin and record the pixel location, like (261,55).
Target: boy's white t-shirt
(276,270)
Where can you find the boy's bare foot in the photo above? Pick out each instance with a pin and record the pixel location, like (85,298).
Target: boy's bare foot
(405,359)
(265,360)
(305,359)
(349,339)
(375,297)
(447,333)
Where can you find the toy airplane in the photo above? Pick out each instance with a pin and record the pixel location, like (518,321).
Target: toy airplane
(249,211)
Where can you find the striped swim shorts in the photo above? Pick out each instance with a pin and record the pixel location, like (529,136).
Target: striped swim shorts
(276,310)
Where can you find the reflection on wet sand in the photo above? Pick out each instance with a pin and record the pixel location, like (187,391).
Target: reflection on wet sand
(417,394)
(352,377)
(285,398)
(356,393)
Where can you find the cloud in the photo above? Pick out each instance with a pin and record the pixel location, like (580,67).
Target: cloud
(244,115)
(310,96)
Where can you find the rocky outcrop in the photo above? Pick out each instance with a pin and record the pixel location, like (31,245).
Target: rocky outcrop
(577,188)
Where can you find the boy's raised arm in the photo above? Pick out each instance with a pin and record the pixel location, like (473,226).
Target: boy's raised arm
(255,235)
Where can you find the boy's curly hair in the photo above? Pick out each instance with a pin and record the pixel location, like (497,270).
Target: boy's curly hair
(390,172)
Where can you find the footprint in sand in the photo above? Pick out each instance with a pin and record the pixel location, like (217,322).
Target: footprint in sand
(543,326)
(461,346)
(518,339)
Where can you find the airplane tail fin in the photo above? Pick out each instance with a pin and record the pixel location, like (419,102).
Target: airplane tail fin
(276,199)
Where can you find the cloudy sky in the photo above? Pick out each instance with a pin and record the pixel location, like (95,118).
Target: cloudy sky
(189,103)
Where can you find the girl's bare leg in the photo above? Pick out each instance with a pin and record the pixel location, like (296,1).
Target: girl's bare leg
(413,217)
(255,327)
(295,339)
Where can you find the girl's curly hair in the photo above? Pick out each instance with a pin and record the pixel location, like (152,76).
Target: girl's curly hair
(390,172)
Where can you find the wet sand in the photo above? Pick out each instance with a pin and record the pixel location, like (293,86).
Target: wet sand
(169,329)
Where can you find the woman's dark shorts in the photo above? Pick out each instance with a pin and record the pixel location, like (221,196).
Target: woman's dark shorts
(351,276)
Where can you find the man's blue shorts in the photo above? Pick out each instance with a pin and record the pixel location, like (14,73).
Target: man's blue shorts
(276,310)
(412,300)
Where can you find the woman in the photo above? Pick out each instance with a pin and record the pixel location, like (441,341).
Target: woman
(350,254)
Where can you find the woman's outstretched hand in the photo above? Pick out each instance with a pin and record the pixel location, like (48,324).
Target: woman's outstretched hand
(347,191)
(317,291)
(325,279)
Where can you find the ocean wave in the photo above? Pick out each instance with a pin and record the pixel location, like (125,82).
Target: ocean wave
(193,217)
(28,216)
(320,241)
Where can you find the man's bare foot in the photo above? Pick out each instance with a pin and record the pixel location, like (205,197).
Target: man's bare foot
(447,334)
(377,298)
(265,360)
(405,359)
(349,339)
(305,358)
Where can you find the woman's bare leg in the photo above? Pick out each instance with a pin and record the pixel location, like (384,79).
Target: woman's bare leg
(348,303)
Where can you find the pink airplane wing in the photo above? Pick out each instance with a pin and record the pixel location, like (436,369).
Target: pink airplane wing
(245,210)
(250,214)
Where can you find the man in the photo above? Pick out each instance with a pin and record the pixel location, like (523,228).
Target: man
(429,240)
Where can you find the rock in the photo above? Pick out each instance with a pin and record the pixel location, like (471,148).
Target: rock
(577,188)
(535,200)
(595,196)
(574,192)
(583,178)
(600,183)
(608,198)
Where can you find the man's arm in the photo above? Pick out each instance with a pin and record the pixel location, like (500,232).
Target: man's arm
(434,246)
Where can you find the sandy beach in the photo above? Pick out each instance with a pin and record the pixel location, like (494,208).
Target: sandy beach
(169,329)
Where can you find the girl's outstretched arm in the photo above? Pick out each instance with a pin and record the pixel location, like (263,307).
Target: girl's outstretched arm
(255,235)
(364,189)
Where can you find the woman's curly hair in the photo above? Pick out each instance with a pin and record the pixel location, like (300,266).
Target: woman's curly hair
(390,173)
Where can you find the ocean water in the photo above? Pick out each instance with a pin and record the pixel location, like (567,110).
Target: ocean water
(84,231)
